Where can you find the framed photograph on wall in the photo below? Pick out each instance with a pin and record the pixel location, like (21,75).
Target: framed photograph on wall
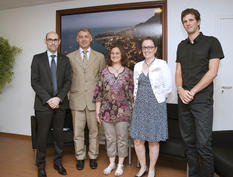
(126,24)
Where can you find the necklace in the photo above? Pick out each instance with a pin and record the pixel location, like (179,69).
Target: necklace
(116,69)
(149,63)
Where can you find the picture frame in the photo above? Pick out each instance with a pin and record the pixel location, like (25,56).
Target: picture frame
(126,24)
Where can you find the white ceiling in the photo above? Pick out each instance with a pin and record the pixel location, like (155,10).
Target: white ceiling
(10,4)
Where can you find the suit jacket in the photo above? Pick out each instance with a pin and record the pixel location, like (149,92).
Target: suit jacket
(84,79)
(41,80)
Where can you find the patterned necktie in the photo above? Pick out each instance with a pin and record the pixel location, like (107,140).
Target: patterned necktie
(85,58)
(54,74)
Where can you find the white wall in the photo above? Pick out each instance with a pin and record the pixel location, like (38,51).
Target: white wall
(26,28)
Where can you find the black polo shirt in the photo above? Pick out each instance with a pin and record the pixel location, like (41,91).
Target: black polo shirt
(194,59)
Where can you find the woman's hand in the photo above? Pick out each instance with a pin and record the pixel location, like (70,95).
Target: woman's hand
(98,119)
(97,106)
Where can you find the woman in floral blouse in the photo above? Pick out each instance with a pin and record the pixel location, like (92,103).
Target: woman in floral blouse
(114,99)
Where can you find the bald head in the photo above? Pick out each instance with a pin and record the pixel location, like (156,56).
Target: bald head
(52,41)
(51,32)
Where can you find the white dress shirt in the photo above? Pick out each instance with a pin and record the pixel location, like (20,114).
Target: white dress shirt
(88,53)
(50,58)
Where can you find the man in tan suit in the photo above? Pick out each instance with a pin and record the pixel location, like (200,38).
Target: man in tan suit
(86,64)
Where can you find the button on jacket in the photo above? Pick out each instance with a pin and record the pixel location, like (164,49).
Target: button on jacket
(160,79)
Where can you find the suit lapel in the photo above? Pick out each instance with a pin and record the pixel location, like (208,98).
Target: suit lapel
(91,58)
(45,61)
(59,65)
(79,58)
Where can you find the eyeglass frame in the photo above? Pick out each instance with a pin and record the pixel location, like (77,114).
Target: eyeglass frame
(50,40)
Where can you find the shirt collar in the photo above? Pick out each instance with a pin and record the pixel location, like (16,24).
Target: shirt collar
(49,53)
(88,50)
(196,40)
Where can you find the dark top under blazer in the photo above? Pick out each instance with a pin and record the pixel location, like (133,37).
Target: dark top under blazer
(41,80)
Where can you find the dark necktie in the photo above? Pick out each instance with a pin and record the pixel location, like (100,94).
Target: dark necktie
(54,74)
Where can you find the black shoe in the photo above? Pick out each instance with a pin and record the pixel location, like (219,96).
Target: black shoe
(41,172)
(80,164)
(142,174)
(60,169)
(93,163)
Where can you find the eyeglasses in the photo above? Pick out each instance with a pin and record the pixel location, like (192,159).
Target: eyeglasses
(52,40)
(148,47)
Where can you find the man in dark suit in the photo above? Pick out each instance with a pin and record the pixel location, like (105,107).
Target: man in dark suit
(51,80)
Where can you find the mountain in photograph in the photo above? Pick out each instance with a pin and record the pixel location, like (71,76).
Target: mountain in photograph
(131,38)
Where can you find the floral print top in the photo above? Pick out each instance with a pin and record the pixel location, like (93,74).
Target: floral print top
(115,95)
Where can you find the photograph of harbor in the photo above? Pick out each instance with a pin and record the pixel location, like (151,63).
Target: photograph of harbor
(126,27)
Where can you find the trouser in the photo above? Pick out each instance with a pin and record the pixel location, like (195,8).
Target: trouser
(44,121)
(80,118)
(117,135)
(196,120)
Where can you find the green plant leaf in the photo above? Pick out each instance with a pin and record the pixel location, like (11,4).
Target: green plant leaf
(7,61)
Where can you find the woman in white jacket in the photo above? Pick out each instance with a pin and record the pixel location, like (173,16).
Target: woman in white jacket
(152,84)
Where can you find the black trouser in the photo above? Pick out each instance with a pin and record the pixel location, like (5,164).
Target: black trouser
(44,121)
(196,120)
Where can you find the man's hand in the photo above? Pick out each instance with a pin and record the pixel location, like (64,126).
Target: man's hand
(193,92)
(185,95)
(51,104)
(54,102)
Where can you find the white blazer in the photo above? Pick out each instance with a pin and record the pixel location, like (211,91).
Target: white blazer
(160,79)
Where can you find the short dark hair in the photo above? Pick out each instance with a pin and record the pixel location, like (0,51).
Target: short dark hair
(124,59)
(190,11)
(85,30)
(154,40)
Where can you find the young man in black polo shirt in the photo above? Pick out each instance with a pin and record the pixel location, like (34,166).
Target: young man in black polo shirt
(197,65)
